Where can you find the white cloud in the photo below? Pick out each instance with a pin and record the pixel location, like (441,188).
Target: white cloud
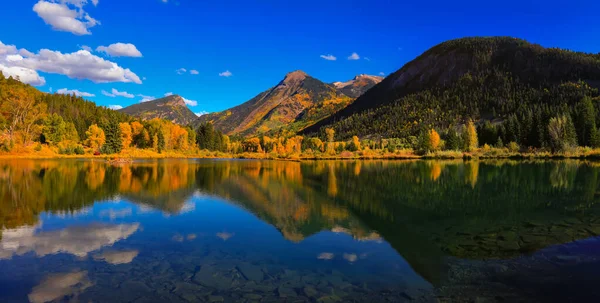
(226,73)
(181,71)
(78,65)
(194,72)
(117,257)
(168,94)
(87,48)
(115,107)
(382,74)
(354,56)
(66,15)
(25,75)
(190,102)
(95,2)
(60,285)
(146,98)
(120,50)
(64,91)
(367,58)
(329,57)
(115,93)
(202,113)
(77,240)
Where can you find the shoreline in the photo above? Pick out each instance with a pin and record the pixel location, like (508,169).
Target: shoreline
(262,156)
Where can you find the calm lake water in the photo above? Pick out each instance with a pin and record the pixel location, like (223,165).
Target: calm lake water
(271,231)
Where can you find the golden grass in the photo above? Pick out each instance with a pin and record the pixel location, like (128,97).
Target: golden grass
(29,152)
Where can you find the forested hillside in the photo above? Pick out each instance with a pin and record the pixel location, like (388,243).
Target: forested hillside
(297,101)
(512,89)
(30,119)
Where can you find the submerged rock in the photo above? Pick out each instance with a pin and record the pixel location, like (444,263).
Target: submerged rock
(251,272)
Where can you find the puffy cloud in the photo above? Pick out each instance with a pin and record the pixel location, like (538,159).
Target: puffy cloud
(194,72)
(25,75)
(226,73)
(190,102)
(354,56)
(78,65)
(117,257)
(382,74)
(329,57)
(66,15)
(87,48)
(181,71)
(120,50)
(77,240)
(115,107)
(168,94)
(64,91)
(115,93)
(202,113)
(145,98)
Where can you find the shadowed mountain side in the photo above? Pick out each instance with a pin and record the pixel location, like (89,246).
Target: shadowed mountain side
(477,78)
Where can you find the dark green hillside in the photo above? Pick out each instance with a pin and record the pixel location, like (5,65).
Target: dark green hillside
(499,79)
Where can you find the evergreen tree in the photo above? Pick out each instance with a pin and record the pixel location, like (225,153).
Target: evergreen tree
(113,144)
(161,142)
(587,133)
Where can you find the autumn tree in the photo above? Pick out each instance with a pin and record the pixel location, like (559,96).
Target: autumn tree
(469,136)
(429,141)
(315,144)
(23,114)
(330,138)
(562,133)
(126,135)
(354,144)
(252,145)
(95,137)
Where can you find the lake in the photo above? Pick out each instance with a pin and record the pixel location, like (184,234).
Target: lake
(282,231)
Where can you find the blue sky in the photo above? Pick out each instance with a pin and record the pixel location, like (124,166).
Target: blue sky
(258,42)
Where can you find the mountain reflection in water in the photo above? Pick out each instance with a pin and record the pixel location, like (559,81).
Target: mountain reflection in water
(353,229)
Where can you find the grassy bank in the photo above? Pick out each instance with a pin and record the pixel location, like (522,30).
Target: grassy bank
(482,153)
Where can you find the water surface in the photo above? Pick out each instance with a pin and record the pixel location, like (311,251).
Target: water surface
(271,231)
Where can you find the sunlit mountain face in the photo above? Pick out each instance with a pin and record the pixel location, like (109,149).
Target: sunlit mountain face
(231,231)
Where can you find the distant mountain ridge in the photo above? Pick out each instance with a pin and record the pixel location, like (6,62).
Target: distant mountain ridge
(172,108)
(297,101)
(357,86)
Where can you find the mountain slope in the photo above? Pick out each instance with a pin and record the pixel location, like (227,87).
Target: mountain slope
(478,78)
(357,86)
(172,108)
(298,100)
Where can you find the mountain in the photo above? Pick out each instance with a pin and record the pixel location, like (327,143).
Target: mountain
(357,86)
(297,101)
(510,81)
(172,108)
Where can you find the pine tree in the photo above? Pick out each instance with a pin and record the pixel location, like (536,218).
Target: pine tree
(161,142)
(113,144)
(587,133)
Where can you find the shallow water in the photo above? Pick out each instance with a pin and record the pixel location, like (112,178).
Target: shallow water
(271,231)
